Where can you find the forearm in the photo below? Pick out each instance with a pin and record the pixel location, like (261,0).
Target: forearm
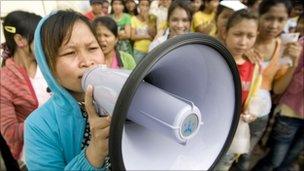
(281,84)
(140,37)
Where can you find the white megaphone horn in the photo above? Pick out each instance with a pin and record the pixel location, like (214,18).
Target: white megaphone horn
(177,110)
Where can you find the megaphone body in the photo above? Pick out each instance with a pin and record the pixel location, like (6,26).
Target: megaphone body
(177,110)
(174,116)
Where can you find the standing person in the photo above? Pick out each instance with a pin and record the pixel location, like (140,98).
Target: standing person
(66,133)
(240,36)
(123,21)
(160,10)
(286,140)
(99,8)
(179,22)
(204,19)
(273,15)
(107,35)
(223,12)
(131,7)
(143,30)
(22,85)
(196,5)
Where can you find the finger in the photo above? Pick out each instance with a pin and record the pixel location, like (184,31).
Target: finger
(101,134)
(100,123)
(88,102)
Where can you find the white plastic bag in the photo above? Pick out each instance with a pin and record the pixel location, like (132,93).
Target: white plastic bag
(241,140)
(260,104)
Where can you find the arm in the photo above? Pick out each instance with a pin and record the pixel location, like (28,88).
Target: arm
(281,84)
(204,28)
(43,151)
(125,34)
(11,128)
(135,36)
(293,50)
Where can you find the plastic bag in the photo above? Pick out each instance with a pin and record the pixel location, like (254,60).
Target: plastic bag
(260,104)
(241,140)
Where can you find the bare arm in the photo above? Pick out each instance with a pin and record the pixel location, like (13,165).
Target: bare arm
(125,34)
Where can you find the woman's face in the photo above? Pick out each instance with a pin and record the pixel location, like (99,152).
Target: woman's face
(196,4)
(76,55)
(222,20)
(144,6)
(179,22)
(241,37)
(118,7)
(130,5)
(212,5)
(273,21)
(106,39)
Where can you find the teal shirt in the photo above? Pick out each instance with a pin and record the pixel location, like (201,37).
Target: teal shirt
(54,132)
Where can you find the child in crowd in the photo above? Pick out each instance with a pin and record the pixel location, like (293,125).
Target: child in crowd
(143,30)
(160,8)
(99,8)
(123,21)
(131,7)
(66,133)
(240,36)
(179,21)
(223,12)
(196,5)
(203,20)
(22,85)
(287,136)
(273,15)
(107,35)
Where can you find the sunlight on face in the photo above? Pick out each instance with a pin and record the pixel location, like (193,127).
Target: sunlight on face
(241,37)
(272,22)
(75,56)
(179,22)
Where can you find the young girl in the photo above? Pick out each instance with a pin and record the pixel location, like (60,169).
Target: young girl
(66,133)
(287,136)
(196,5)
(107,36)
(22,85)
(273,15)
(223,12)
(203,20)
(179,19)
(123,21)
(143,30)
(131,7)
(240,36)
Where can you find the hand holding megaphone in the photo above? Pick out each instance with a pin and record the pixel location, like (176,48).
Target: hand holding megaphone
(99,128)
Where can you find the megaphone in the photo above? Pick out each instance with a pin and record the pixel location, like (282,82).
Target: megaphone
(177,110)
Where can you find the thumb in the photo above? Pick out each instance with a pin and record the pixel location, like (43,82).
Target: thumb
(88,102)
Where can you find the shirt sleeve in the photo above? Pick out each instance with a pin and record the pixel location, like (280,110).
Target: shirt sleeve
(11,128)
(43,152)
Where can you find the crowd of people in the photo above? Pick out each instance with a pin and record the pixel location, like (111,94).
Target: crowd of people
(48,122)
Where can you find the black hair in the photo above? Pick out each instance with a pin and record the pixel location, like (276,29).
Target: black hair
(19,22)
(58,28)
(123,3)
(108,22)
(265,5)
(111,25)
(239,16)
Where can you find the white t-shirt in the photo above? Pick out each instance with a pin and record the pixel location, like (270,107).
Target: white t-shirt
(40,87)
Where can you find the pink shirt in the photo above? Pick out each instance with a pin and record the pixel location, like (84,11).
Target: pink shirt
(293,96)
(114,63)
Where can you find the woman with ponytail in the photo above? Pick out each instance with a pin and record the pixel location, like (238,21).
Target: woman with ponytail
(22,85)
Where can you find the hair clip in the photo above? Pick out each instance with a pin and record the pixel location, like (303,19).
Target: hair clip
(10,29)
